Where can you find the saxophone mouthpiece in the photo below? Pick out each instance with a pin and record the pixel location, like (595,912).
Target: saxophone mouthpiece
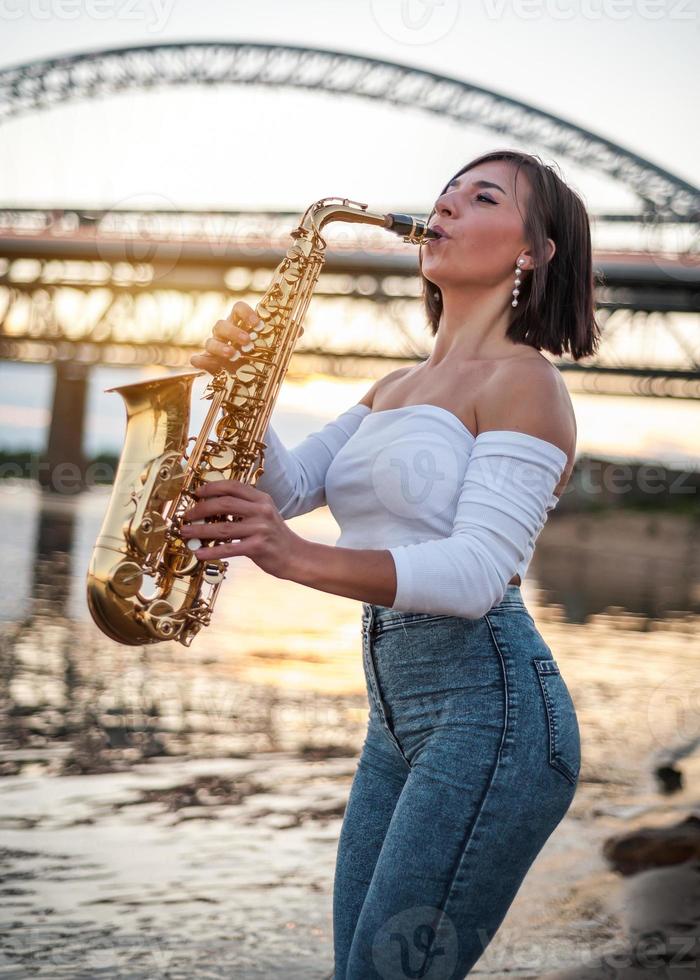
(412,229)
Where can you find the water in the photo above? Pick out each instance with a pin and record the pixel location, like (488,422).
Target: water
(173,811)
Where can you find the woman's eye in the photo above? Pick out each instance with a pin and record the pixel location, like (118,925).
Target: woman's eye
(483,197)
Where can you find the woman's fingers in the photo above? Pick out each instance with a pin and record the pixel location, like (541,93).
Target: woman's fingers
(230,338)
(244,312)
(219,349)
(219,355)
(205,362)
(215,506)
(218,531)
(225,330)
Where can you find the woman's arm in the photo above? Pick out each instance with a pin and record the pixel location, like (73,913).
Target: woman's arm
(296,478)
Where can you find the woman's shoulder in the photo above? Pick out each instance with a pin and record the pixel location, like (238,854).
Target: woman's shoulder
(529,394)
(368,397)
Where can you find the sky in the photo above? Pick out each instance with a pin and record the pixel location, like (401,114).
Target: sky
(625,69)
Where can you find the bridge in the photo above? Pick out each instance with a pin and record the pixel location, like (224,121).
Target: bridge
(79,287)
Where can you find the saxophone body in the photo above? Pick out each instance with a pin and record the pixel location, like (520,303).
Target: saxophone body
(144,585)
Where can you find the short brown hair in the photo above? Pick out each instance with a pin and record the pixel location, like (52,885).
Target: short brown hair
(555,310)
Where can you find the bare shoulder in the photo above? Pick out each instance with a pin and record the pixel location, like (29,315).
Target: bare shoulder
(529,395)
(368,397)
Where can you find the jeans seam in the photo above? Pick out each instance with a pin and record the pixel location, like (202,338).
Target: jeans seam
(367,651)
(506,689)
(555,760)
(470,837)
(482,802)
(367,763)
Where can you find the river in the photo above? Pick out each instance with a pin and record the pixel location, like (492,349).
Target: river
(174,812)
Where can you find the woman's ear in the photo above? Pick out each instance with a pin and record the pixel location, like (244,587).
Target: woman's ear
(550,249)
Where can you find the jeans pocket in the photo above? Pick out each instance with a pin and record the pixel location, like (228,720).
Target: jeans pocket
(409,619)
(564,735)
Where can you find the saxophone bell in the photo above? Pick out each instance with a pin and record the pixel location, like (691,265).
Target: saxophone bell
(144,582)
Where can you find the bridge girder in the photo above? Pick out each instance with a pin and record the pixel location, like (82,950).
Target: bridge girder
(42,84)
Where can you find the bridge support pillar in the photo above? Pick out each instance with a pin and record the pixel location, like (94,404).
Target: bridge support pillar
(62,468)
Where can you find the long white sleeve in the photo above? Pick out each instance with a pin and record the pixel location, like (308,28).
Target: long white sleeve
(295,478)
(506,494)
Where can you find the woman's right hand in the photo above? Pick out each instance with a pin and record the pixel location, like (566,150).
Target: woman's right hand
(239,329)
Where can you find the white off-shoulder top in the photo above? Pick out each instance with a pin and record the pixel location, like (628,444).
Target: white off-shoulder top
(459,513)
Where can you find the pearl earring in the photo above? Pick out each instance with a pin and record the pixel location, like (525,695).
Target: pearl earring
(516,291)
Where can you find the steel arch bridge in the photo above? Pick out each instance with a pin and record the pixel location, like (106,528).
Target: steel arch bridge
(42,84)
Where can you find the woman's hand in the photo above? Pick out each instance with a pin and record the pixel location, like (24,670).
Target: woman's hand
(229,338)
(263,533)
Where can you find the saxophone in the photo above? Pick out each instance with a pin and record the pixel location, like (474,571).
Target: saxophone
(144,585)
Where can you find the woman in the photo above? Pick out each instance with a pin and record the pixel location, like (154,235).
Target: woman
(441,479)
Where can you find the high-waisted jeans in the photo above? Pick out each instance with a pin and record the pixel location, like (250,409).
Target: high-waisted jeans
(470,760)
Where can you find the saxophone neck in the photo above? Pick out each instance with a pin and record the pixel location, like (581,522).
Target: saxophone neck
(412,229)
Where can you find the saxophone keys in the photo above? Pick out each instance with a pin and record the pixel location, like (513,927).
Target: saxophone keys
(126,579)
(195,543)
(150,534)
(223,459)
(214,572)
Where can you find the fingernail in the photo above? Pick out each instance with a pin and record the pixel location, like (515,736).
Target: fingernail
(253,335)
(248,347)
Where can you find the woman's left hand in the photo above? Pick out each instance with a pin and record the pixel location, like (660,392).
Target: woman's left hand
(263,533)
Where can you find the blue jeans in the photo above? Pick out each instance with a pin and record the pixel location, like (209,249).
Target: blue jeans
(470,760)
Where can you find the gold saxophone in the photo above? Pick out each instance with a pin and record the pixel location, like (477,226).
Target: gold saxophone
(139,550)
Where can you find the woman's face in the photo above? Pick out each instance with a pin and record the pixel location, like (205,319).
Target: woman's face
(483,225)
